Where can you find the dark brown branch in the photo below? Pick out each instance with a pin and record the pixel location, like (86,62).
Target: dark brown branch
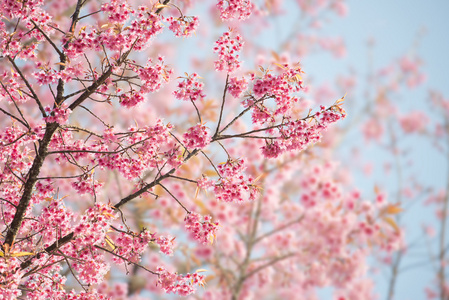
(29,185)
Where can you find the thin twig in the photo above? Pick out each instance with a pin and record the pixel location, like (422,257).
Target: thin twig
(179,202)
(217,131)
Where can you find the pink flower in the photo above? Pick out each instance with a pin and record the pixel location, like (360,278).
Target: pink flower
(183,26)
(196,137)
(190,89)
(182,285)
(234,185)
(235,9)
(237,86)
(202,228)
(227,47)
(58,115)
(166,244)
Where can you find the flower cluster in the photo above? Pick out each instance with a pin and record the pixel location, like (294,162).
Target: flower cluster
(131,246)
(10,276)
(237,86)
(183,26)
(298,135)
(115,36)
(196,137)
(234,185)
(59,114)
(280,87)
(55,215)
(201,227)
(205,183)
(182,285)
(190,88)
(166,244)
(235,9)
(145,151)
(227,47)
(86,184)
(46,76)
(118,11)
(153,76)
(131,99)
(94,224)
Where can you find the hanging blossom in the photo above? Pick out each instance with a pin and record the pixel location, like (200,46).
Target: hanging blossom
(189,88)
(166,244)
(201,227)
(182,285)
(227,47)
(58,114)
(234,185)
(237,86)
(235,9)
(183,26)
(131,99)
(196,137)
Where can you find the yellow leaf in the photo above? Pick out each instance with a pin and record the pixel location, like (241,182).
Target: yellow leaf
(341,99)
(200,204)
(275,56)
(21,254)
(110,216)
(393,209)
(261,176)
(200,270)
(195,259)
(197,192)
(210,173)
(109,242)
(392,223)
(280,66)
